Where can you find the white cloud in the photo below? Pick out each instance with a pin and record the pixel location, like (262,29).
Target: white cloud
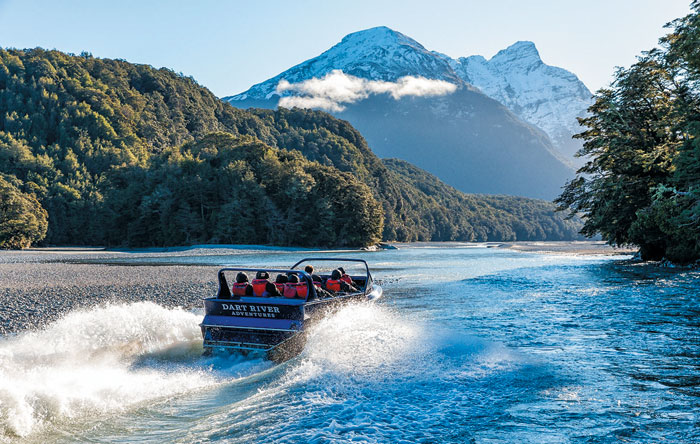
(336,88)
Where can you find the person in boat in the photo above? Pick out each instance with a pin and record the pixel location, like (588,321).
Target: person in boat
(241,287)
(309,269)
(318,282)
(344,276)
(335,284)
(280,280)
(294,288)
(262,287)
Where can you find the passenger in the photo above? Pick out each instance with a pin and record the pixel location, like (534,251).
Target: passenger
(262,287)
(344,276)
(336,284)
(316,279)
(309,269)
(320,291)
(241,287)
(280,281)
(294,288)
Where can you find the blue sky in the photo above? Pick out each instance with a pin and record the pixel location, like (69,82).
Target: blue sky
(230,45)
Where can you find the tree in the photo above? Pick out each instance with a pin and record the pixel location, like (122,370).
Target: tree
(22,219)
(640,185)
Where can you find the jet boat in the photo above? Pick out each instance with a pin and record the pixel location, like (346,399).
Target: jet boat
(275,327)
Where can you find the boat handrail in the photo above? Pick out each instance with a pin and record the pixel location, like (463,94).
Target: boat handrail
(368,279)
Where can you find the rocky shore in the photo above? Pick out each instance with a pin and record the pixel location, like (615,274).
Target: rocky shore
(38,288)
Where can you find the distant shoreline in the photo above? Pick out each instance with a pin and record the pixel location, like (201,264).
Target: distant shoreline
(550,247)
(545,247)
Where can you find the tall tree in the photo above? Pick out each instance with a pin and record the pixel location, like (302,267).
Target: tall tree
(638,184)
(22,219)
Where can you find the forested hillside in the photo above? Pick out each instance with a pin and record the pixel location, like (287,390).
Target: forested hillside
(456,215)
(124,154)
(642,183)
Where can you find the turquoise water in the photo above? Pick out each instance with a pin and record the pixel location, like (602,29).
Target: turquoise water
(467,345)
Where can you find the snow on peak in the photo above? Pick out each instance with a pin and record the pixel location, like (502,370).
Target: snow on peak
(546,96)
(379,36)
(522,47)
(375,54)
(522,54)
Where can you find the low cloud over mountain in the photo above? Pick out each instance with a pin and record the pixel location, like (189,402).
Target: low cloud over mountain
(336,89)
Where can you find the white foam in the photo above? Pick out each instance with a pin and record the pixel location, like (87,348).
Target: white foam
(87,363)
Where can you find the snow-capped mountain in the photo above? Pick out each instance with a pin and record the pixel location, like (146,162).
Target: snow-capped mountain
(380,81)
(550,98)
(374,54)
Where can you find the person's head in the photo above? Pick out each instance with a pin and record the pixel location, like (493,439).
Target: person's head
(262,275)
(342,270)
(309,269)
(316,278)
(281,279)
(294,279)
(335,275)
(241,277)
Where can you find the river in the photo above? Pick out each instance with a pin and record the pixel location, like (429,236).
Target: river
(478,345)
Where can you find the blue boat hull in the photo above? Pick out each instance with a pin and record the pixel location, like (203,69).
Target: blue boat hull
(271,327)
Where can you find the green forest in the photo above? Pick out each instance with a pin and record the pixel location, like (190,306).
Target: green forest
(641,184)
(105,152)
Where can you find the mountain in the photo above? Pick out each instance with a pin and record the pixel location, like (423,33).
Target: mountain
(125,154)
(376,54)
(548,97)
(476,144)
(468,140)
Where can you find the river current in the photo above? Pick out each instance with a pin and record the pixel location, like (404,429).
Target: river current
(467,345)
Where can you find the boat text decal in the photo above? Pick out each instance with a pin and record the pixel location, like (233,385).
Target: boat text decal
(253,311)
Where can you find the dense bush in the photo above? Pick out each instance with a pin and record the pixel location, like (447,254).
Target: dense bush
(641,184)
(223,189)
(22,219)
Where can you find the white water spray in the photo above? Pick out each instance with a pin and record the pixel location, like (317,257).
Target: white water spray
(87,363)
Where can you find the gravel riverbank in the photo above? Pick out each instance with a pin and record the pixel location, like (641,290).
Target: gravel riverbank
(35,293)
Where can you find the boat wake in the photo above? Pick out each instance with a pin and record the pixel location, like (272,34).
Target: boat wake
(100,361)
(366,371)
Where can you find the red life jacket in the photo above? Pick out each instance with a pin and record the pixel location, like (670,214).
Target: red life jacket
(239,289)
(280,287)
(333,285)
(292,290)
(259,286)
(345,278)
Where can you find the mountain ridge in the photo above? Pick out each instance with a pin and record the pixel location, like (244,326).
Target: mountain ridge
(360,54)
(548,97)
